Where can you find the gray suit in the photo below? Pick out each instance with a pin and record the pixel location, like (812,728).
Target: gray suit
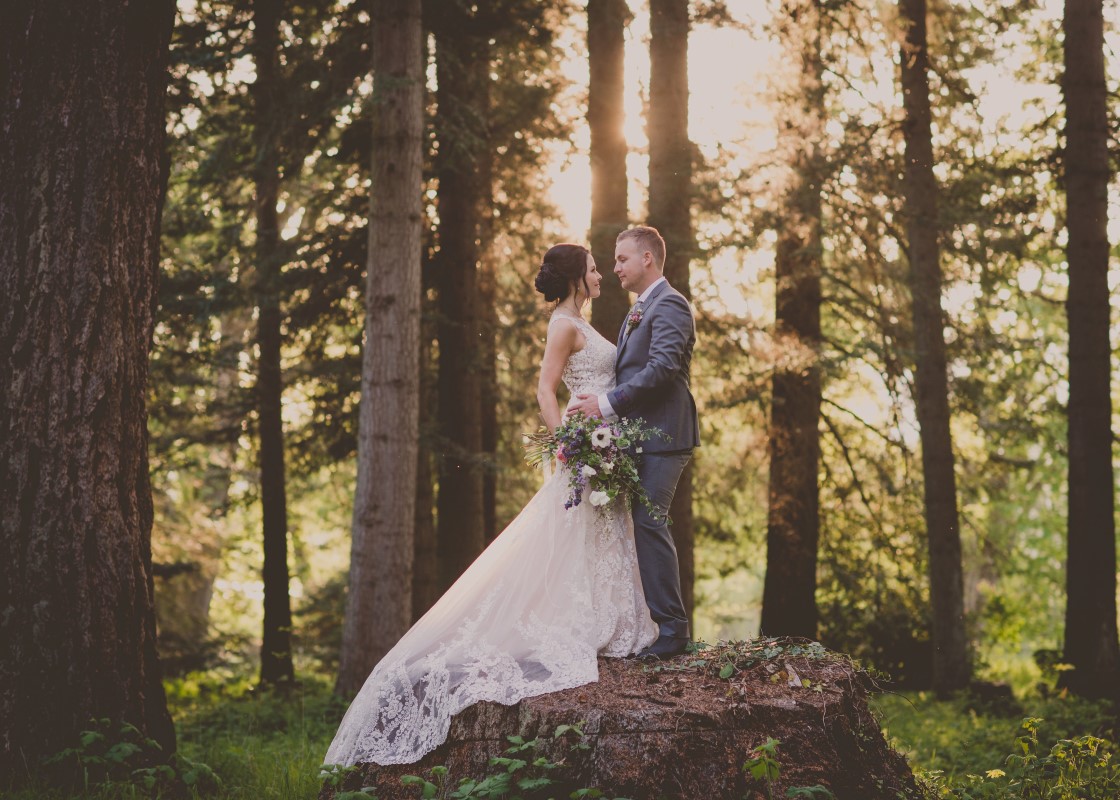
(652,372)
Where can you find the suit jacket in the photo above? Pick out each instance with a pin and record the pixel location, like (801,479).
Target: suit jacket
(652,371)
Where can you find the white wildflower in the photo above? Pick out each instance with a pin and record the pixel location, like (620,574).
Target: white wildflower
(588,471)
(638,450)
(599,498)
(606,466)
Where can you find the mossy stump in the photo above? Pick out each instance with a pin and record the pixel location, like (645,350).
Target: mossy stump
(681,728)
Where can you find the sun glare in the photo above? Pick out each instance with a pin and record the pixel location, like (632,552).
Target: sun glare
(727,106)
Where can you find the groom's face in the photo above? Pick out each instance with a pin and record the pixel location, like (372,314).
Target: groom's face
(631,265)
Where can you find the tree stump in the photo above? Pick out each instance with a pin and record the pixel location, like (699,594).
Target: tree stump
(687,727)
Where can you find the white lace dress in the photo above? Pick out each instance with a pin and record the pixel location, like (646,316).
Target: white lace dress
(555,589)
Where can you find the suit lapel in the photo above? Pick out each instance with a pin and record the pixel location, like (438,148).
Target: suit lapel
(624,336)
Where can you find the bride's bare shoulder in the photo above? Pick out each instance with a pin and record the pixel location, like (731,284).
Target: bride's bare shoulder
(568,333)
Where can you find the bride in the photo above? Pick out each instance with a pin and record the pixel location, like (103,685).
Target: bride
(553,591)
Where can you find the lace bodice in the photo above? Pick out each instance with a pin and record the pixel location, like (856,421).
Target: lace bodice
(590,370)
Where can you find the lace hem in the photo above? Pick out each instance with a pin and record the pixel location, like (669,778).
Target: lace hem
(530,616)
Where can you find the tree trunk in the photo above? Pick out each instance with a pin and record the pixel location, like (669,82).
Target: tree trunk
(951,669)
(670,207)
(379,601)
(425,569)
(276,644)
(462,74)
(488,346)
(80,203)
(789,604)
(606,25)
(1090,635)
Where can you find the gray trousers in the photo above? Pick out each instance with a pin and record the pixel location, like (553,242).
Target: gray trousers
(657,555)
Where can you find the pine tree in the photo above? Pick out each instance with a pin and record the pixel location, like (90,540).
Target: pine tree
(79,205)
(379,600)
(789,605)
(1090,634)
(951,669)
(606,51)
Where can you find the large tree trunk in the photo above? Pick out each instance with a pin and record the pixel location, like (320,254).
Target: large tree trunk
(425,568)
(670,207)
(79,209)
(606,50)
(462,75)
(951,669)
(789,605)
(1090,635)
(276,644)
(379,601)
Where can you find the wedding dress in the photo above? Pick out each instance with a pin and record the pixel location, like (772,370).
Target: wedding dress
(555,589)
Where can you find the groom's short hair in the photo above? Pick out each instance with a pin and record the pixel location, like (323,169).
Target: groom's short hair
(647,239)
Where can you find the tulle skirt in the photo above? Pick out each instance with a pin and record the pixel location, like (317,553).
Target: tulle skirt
(553,591)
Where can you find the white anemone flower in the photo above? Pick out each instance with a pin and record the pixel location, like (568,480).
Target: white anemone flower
(599,498)
(601,437)
(588,471)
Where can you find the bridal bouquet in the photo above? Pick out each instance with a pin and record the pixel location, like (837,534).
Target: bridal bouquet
(599,457)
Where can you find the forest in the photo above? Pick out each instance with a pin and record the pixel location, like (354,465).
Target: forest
(270,349)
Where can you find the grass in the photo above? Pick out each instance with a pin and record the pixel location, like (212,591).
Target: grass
(264,746)
(960,737)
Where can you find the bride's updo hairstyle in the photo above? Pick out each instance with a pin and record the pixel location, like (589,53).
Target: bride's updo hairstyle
(564,266)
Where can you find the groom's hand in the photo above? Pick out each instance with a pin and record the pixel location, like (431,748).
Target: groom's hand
(588,404)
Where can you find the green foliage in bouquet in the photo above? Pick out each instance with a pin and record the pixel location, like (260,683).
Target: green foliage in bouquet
(599,457)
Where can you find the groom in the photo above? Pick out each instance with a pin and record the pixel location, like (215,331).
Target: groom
(652,382)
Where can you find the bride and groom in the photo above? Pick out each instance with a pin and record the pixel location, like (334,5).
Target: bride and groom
(557,588)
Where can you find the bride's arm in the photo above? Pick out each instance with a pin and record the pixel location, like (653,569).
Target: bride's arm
(558,347)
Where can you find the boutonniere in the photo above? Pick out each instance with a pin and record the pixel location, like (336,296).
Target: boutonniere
(633,319)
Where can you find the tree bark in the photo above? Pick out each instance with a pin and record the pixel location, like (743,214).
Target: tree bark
(379,601)
(488,344)
(951,668)
(425,568)
(462,74)
(670,208)
(1090,635)
(789,605)
(276,644)
(606,51)
(80,203)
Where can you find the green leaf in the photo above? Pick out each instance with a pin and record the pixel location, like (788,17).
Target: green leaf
(529,784)
(89,738)
(121,752)
(727,671)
